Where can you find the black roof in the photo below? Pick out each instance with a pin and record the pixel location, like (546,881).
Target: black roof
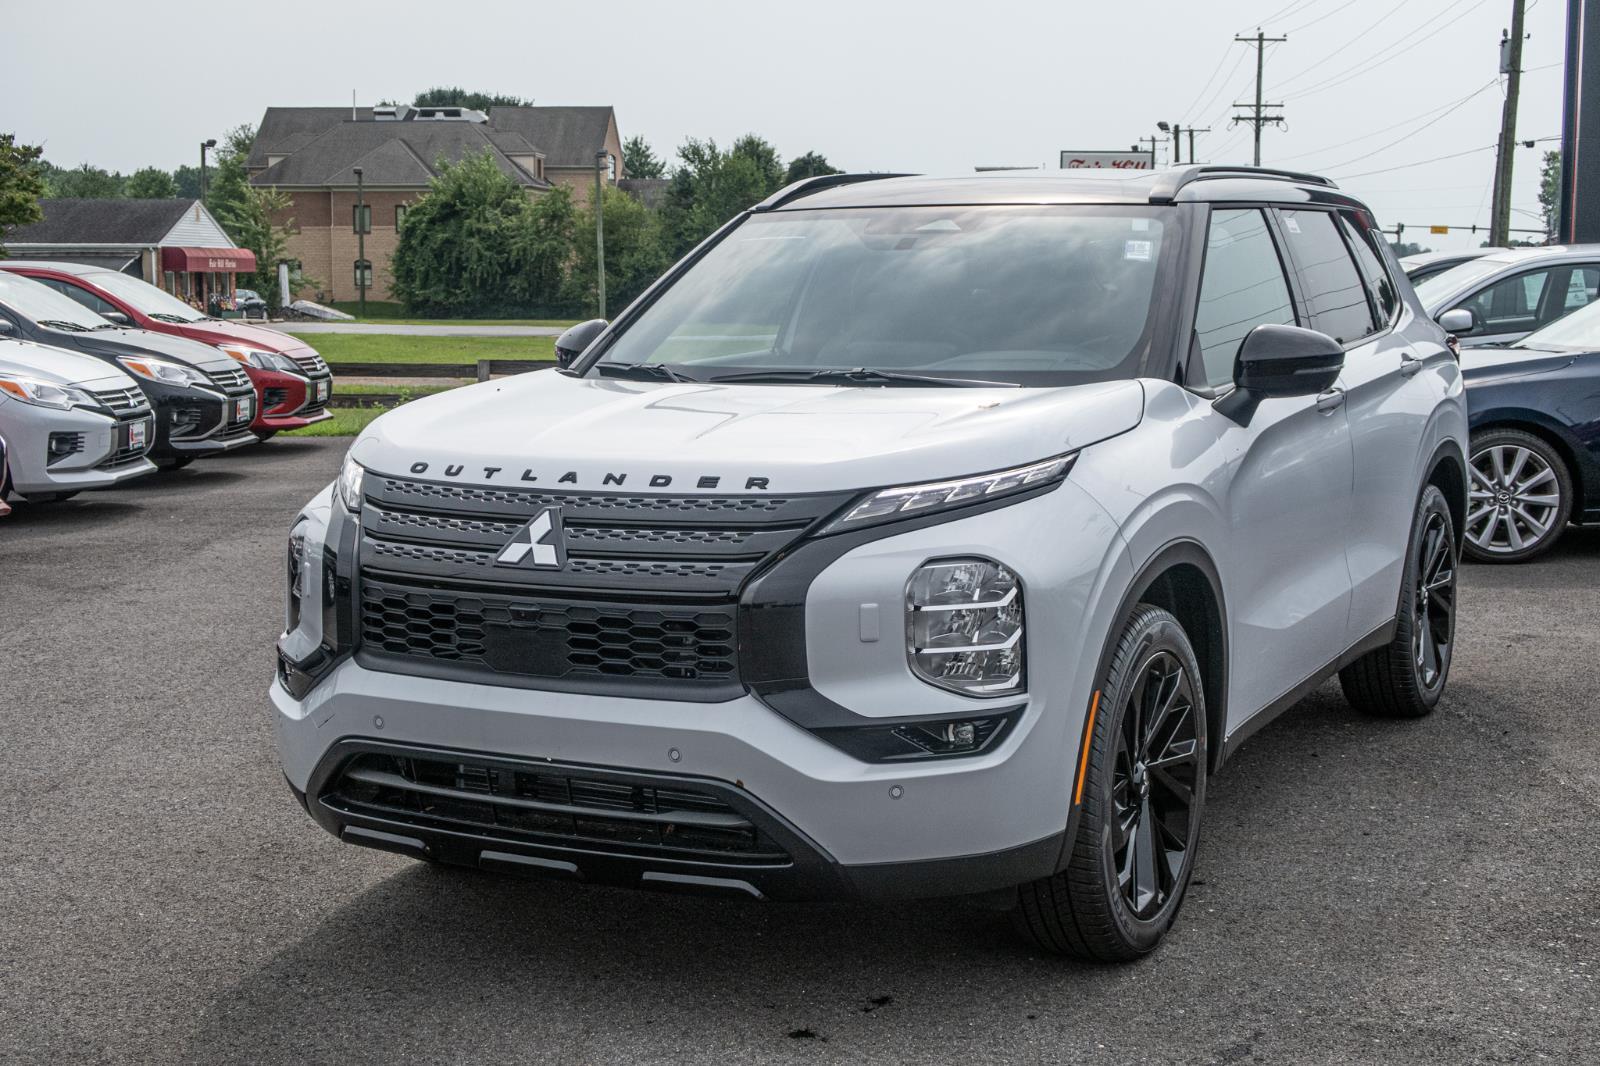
(394,154)
(568,136)
(72,221)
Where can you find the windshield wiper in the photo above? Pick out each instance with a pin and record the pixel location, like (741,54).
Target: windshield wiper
(861,375)
(61,324)
(164,317)
(652,371)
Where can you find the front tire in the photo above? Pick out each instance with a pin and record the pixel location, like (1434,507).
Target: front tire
(1142,794)
(1520,499)
(1406,677)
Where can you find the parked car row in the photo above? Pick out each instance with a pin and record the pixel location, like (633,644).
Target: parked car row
(104,378)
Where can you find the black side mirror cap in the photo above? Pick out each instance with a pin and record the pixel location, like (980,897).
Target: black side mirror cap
(572,343)
(6,328)
(1275,361)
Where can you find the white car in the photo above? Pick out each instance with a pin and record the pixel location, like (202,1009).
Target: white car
(911,537)
(71,422)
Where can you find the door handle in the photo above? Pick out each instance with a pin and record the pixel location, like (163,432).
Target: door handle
(1330,401)
(1409,364)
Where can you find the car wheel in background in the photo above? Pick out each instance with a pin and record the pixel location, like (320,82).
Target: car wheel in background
(1140,792)
(1406,677)
(1520,498)
(266,434)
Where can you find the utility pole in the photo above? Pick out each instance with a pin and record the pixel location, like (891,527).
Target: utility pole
(361,240)
(1259,118)
(1511,67)
(1191,131)
(1153,142)
(600,160)
(210,143)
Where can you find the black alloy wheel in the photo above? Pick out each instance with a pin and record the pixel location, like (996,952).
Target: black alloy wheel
(1434,603)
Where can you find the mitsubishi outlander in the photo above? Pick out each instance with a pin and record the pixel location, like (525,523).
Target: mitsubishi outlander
(910,537)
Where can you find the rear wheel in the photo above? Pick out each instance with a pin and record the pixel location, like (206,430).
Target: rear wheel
(1143,791)
(1520,499)
(1406,677)
(265,434)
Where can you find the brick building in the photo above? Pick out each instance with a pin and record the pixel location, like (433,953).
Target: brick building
(311,153)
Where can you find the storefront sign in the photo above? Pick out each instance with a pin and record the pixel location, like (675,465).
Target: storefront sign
(1107,160)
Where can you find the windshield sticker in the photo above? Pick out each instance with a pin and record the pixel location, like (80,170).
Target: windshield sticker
(1140,224)
(1138,251)
(1291,223)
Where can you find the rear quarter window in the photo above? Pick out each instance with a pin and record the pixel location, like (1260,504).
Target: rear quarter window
(1335,295)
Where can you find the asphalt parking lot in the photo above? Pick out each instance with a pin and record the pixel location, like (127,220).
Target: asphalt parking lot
(1367,891)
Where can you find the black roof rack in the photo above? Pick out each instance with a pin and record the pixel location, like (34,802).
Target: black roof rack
(806,186)
(1169,182)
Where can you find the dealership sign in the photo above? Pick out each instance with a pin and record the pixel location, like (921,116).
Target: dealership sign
(1107,160)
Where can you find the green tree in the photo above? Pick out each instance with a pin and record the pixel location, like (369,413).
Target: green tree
(470,248)
(150,183)
(542,243)
(764,157)
(456,96)
(635,254)
(1550,194)
(227,183)
(639,161)
(810,165)
(712,186)
(260,223)
(187,179)
(1405,248)
(84,182)
(21,185)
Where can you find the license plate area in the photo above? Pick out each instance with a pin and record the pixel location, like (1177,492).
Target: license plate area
(242,408)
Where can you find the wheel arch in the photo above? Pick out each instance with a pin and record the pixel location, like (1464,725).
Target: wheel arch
(1182,578)
(1447,470)
(1531,422)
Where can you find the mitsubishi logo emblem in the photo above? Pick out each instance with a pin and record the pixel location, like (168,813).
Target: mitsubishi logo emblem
(538,545)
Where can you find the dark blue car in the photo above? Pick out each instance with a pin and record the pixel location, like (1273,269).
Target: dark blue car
(1535,418)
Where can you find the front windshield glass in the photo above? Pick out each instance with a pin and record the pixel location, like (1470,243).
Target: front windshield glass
(1431,290)
(40,303)
(1032,295)
(143,297)
(1580,329)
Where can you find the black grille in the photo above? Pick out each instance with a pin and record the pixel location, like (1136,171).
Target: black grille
(544,639)
(271,398)
(557,806)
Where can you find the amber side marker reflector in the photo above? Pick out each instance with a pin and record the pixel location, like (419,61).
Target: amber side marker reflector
(1083,755)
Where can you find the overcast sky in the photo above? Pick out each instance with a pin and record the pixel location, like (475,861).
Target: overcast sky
(932,86)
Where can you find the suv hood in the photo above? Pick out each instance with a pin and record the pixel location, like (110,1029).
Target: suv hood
(162,345)
(548,430)
(58,366)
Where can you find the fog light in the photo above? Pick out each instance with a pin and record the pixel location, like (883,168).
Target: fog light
(927,738)
(964,627)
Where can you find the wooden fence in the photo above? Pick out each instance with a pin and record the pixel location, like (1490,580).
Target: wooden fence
(482,370)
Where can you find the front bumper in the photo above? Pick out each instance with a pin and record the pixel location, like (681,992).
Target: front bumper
(290,401)
(96,465)
(197,422)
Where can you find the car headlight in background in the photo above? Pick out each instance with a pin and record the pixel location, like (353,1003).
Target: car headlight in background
(964,627)
(163,371)
(261,360)
(44,394)
(349,484)
(907,501)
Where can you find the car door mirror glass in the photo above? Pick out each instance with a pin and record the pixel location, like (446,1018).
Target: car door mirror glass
(1458,320)
(571,344)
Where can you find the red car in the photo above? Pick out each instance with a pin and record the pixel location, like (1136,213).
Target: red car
(292,382)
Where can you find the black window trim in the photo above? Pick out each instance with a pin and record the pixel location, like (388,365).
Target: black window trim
(1299,280)
(1383,265)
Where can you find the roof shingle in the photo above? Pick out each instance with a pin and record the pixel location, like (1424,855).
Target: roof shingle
(74,221)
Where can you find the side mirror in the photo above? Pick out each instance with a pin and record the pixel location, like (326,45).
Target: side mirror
(6,328)
(571,344)
(1458,320)
(118,317)
(1278,361)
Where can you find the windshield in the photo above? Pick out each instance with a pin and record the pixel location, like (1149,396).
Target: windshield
(1032,295)
(1433,289)
(1580,329)
(40,303)
(144,297)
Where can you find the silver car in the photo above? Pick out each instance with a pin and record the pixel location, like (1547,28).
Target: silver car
(1501,298)
(70,422)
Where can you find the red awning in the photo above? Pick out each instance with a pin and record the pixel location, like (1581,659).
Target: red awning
(208,260)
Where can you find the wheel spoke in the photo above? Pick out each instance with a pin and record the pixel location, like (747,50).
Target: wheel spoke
(1538,501)
(1177,754)
(1180,791)
(1144,846)
(1512,533)
(1536,479)
(1497,456)
(1536,527)
(1172,690)
(1482,477)
(1519,460)
(1430,651)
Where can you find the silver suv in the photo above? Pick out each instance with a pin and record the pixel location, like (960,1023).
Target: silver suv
(911,537)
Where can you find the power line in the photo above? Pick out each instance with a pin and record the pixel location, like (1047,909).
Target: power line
(1237,59)
(1395,10)
(1335,11)
(1457,106)
(1403,122)
(1418,163)
(1386,54)
(1218,70)
(1259,117)
(1295,8)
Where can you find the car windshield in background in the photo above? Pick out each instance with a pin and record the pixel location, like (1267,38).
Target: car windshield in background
(1579,330)
(1031,295)
(1433,289)
(144,297)
(38,302)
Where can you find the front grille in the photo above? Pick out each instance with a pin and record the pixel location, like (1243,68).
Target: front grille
(310,362)
(550,805)
(229,379)
(124,457)
(121,401)
(540,638)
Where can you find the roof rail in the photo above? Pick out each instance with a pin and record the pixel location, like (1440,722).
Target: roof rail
(806,186)
(1171,181)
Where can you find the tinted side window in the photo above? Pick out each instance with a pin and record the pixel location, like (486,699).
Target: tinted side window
(1335,294)
(1582,286)
(87,299)
(1243,287)
(1370,261)
(1510,305)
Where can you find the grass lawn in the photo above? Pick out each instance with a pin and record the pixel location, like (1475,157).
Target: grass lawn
(393,314)
(373,389)
(346,422)
(366,348)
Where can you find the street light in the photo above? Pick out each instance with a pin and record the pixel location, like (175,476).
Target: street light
(212,143)
(361,241)
(600,160)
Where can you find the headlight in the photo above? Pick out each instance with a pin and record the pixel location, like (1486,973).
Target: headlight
(964,627)
(907,501)
(297,574)
(44,394)
(163,371)
(261,360)
(350,484)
